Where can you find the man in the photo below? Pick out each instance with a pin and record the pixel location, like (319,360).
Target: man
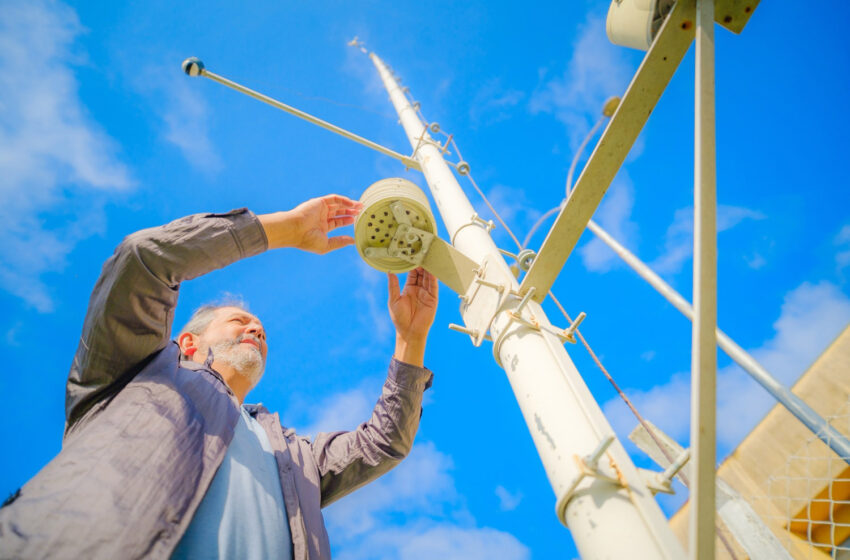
(160,456)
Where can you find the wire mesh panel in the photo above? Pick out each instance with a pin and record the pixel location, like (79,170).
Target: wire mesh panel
(807,501)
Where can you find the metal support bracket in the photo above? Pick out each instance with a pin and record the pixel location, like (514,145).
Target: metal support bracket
(588,467)
(484,298)
(475,220)
(450,266)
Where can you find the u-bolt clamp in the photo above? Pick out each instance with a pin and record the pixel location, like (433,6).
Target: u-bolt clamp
(587,466)
(475,220)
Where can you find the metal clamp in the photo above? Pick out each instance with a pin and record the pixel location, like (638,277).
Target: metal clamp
(475,220)
(588,466)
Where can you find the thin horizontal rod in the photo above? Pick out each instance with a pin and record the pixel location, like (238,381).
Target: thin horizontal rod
(407,161)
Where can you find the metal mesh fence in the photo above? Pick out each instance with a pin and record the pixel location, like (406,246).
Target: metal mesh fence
(807,502)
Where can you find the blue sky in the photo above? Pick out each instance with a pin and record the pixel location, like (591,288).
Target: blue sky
(101,134)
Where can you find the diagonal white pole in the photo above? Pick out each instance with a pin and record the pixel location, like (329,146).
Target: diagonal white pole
(703,344)
(609,516)
(794,404)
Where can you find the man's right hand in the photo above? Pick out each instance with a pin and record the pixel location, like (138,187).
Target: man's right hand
(307,225)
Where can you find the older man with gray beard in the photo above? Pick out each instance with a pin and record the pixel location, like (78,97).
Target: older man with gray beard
(161,457)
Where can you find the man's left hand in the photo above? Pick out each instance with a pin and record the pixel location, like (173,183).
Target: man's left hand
(412,311)
(306,226)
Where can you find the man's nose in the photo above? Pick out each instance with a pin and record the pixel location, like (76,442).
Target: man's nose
(256,329)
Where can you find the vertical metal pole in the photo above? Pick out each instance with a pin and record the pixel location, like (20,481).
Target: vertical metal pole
(703,344)
(614,517)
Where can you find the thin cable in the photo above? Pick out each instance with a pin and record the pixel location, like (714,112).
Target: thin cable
(620,392)
(493,210)
(539,223)
(581,148)
(682,476)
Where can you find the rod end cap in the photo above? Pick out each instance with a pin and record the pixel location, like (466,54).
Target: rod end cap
(193,66)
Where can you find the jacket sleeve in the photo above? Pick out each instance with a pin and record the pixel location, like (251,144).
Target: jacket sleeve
(348,460)
(132,305)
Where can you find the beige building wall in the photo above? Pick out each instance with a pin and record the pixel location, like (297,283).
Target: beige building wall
(795,482)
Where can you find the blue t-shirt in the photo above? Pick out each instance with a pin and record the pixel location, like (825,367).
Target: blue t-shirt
(242,514)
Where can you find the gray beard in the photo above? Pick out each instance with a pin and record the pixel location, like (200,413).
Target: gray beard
(246,360)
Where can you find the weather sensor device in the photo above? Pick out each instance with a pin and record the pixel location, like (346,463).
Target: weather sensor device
(396,232)
(634,23)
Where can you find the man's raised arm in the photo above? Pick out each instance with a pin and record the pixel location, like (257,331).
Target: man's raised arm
(348,460)
(132,306)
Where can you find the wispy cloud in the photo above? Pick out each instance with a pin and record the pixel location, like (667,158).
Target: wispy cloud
(842,242)
(493,103)
(414,511)
(57,162)
(596,71)
(513,206)
(372,291)
(679,239)
(508,501)
(812,315)
(614,214)
(182,111)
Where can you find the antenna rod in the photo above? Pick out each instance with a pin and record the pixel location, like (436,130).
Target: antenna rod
(194,67)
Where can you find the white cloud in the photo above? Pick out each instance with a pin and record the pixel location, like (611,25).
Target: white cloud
(341,411)
(513,206)
(443,541)
(176,99)
(596,71)
(613,215)
(812,315)
(842,241)
(648,356)
(57,162)
(412,512)
(492,103)
(756,261)
(679,239)
(372,291)
(508,501)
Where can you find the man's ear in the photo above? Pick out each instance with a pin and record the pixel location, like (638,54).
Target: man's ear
(188,343)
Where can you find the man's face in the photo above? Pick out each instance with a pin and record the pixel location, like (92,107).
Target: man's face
(238,339)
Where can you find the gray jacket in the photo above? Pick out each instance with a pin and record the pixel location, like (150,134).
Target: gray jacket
(146,433)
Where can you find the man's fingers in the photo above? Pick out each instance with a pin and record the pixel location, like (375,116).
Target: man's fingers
(340,221)
(338,201)
(413,277)
(392,283)
(339,242)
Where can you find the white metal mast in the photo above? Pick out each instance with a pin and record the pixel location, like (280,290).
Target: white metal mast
(704,341)
(602,497)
